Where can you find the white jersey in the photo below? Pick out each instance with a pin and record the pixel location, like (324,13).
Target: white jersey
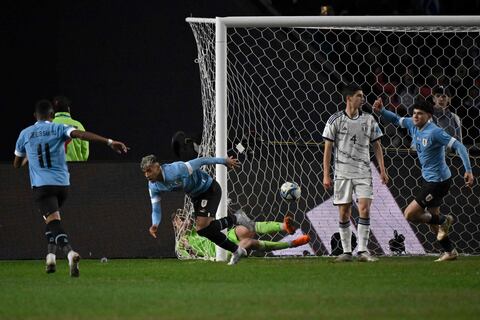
(352,138)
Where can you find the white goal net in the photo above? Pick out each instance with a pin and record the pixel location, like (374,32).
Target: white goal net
(283,83)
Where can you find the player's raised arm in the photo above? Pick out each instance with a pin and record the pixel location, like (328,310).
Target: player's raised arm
(378,105)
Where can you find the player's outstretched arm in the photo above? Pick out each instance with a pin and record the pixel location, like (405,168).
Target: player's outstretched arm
(230,162)
(117,146)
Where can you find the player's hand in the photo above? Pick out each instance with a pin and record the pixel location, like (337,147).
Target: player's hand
(384,177)
(119,147)
(232,163)
(153,230)
(378,105)
(327,182)
(469,179)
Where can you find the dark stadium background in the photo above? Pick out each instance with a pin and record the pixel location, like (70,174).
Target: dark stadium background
(129,69)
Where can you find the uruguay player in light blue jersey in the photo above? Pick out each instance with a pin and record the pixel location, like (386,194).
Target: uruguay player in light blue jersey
(43,145)
(430,141)
(205,193)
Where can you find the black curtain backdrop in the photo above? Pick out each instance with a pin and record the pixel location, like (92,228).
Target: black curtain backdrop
(107,214)
(128,67)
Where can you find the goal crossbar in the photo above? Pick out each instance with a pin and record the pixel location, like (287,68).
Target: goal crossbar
(341,21)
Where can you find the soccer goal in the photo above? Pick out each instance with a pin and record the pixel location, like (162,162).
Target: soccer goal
(269,84)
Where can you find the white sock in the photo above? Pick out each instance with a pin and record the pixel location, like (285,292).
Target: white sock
(363,234)
(346,236)
(51,258)
(70,255)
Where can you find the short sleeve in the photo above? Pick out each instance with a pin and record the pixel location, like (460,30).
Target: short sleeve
(406,122)
(443,138)
(64,131)
(20,146)
(330,130)
(376,131)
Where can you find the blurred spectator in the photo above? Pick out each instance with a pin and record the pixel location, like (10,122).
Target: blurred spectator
(407,92)
(442,116)
(75,149)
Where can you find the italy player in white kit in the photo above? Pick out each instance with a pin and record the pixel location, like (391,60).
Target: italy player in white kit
(350,133)
(430,142)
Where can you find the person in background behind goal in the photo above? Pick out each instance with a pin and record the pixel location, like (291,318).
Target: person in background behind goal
(43,145)
(205,193)
(191,244)
(430,141)
(76,149)
(442,116)
(351,132)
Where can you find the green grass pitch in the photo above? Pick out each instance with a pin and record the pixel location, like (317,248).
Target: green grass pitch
(256,288)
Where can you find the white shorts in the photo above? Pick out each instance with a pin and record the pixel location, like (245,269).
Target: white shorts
(343,190)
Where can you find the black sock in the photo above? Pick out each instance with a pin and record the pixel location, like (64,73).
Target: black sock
(213,234)
(440,219)
(61,238)
(223,223)
(51,246)
(446,244)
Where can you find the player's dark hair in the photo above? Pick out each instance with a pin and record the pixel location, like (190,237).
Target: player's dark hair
(350,90)
(442,90)
(61,104)
(424,106)
(43,108)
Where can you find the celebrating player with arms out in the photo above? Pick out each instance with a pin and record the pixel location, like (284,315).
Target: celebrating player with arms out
(205,193)
(430,142)
(352,131)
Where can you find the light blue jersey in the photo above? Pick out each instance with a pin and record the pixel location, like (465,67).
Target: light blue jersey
(44,145)
(181,176)
(430,142)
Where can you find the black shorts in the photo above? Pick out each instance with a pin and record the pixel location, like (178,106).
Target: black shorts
(49,199)
(206,204)
(432,193)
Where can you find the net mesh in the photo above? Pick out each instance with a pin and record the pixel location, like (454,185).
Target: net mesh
(283,85)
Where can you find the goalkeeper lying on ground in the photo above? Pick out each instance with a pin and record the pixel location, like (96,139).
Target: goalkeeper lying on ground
(190,244)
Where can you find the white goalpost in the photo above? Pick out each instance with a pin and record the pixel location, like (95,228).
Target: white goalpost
(270,83)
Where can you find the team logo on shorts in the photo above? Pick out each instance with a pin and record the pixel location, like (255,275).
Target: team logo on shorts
(424,142)
(429,197)
(204,203)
